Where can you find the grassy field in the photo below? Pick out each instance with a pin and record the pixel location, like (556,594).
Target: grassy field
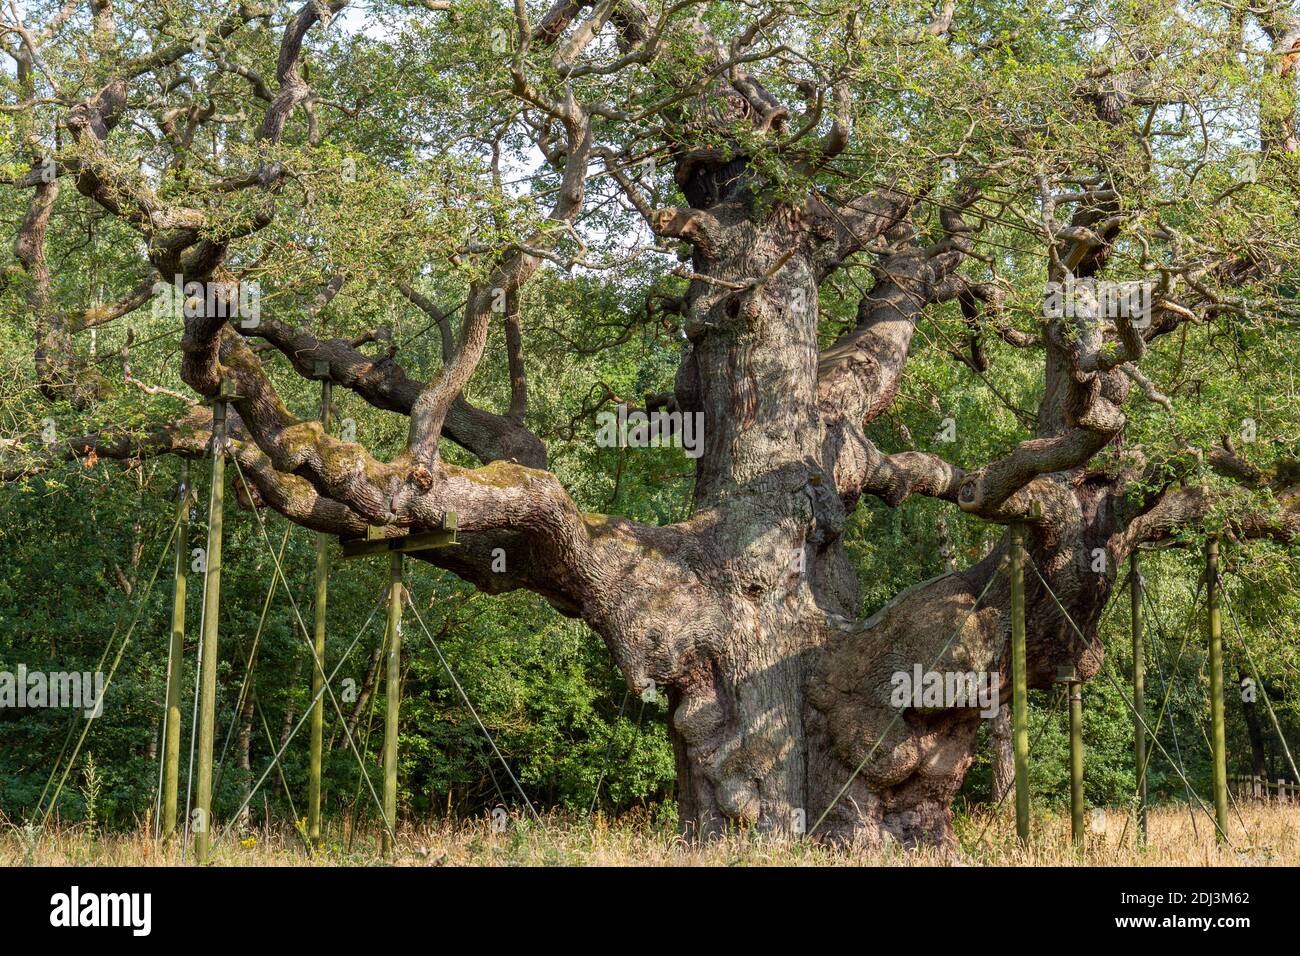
(1261,834)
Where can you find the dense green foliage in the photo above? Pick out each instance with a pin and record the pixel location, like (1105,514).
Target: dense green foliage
(543,685)
(79,543)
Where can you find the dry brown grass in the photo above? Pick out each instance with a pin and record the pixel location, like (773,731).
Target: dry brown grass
(1261,834)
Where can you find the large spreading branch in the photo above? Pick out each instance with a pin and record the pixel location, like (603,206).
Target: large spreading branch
(707,122)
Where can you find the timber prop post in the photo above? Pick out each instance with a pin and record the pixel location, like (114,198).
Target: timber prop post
(1019,683)
(396,548)
(1136,584)
(1218,736)
(208,657)
(318,628)
(176,660)
(1074,691)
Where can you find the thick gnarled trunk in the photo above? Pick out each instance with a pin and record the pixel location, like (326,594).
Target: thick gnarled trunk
(796,730)
(784,720)
(737,722)
(771,722)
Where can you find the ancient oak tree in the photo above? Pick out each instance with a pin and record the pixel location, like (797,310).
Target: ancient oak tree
(796,205)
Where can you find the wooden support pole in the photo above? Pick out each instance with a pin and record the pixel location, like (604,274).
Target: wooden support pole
(1075,690)
(392,690)
(376,542)
(201,821)
(176,659)
(1139,695)
(1019,684)
(317,671)
(1218,738)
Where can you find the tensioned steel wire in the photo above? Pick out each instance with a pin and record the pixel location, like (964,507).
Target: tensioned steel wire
(1235,803)
(108,646)
(261,714)
(1177,660)
(203,613)
(1052,711)
(1232,797)
(317,662)
(365,740)
(275,759)
(1129,704)
(1149,605)
(1057,700)
(465,697)
(1168,684)
(1196,722)
(898,714)
(1246,647)
(248,670)
(1271,628)
(1259,682)
(108,678)
(1177,766)
(183,495)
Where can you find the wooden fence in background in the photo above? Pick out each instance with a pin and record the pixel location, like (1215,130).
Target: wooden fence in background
(1257,788)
